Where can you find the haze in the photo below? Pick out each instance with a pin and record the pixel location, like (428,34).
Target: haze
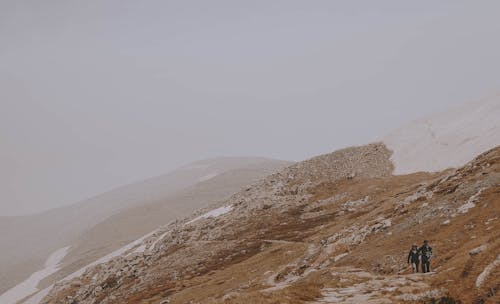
(97,94)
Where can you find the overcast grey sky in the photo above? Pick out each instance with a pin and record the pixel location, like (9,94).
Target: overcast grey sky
(96,94)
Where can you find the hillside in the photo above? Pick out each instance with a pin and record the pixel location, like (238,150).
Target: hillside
(333,229)
(130,224)
(448,139)
(89,226)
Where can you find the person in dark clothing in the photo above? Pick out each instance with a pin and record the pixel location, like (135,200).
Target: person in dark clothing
(414,258)
(426,253)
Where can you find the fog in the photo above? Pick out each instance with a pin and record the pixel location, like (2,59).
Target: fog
(97,94)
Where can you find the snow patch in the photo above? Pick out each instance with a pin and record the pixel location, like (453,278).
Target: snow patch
(30,285)
(110,256)
(213,213)
(449,139)
(138,244)
(36,298)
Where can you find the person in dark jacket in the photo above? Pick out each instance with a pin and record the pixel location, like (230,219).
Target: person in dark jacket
(414,258)
(426,254)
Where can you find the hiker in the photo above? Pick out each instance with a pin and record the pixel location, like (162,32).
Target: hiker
(426,254)
(414,258)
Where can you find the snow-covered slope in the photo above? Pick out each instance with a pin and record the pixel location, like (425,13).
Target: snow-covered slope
(448,139)
(29,286)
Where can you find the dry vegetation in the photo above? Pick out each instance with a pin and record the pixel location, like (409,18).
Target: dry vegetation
(295,238)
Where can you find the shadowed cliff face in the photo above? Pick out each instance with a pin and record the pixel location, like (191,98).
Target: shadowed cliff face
(334,229)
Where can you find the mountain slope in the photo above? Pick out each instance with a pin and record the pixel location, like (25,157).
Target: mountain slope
(446,140)
(44,233)
(331,229)
(313,235)
(132,223)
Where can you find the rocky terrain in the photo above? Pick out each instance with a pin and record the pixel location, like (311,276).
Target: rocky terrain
(334,229)
(96,227)
(130,224)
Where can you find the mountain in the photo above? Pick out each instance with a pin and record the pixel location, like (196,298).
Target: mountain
(448,139)
(31,239)
(333,229)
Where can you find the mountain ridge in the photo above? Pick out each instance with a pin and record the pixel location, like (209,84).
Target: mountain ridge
(358,194)
(327,222)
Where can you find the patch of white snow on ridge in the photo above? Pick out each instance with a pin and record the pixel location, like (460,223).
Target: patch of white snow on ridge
(213,213)
(138,246)
(36,298)
(112,255)
(449,139)
(30,285)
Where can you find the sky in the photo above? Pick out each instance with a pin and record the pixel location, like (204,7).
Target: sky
(97,94)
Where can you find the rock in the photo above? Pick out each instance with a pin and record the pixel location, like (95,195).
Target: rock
(97,290)
(76,283)
(386,223)
(478,250)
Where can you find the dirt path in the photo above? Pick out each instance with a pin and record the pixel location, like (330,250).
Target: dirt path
(359,286)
